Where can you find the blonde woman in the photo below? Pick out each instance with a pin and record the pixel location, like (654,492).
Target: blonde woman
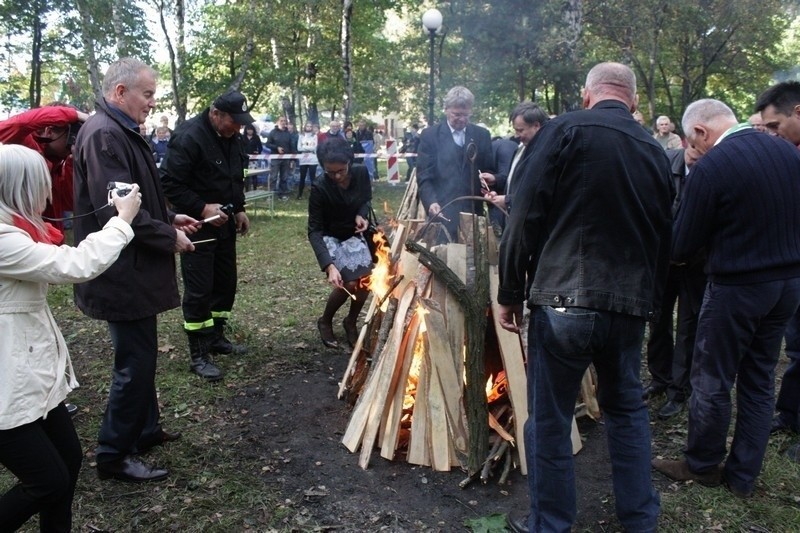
(38,443)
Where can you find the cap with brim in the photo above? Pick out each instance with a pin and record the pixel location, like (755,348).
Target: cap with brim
(235,104)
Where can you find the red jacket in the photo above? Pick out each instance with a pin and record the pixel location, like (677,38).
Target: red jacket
(20,129)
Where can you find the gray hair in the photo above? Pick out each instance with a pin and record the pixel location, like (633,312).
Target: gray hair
(459,96)
(124,71)
(613,79)
(24,184)
(706,111)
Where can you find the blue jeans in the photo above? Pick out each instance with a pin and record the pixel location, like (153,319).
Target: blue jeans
(739,335)
(562,344)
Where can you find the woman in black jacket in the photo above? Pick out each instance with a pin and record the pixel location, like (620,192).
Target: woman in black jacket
(338,209)
(252,146)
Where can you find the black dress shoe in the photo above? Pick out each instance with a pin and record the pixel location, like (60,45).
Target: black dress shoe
(670,409)
(130,469)
(72,409)
(779,426)
(653,390)
(517,523)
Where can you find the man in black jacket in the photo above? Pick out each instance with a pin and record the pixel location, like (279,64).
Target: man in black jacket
(203,176)
(451,155)
(281,142)
(670,360)
(141,284)
(592,221)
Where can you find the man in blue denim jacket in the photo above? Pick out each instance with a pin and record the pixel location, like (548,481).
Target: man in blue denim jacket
(590,236)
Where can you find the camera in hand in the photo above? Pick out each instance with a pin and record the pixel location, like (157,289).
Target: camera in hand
(227,209)
(121,187)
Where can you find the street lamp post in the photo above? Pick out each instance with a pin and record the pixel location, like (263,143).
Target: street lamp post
(432,21)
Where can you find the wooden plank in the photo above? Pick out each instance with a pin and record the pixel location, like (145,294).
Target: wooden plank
(358,418)
(351,364)
(577,445)
(454,315)
(390,433)
(389,358)
(418,447)
(514,364)
(438,432)
(452,385)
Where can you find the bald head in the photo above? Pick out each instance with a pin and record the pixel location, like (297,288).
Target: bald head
(610,81)
(704,121)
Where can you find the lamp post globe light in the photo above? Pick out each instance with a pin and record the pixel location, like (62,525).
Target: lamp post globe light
(432,21)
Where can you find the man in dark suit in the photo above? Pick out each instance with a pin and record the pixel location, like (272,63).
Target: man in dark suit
(451,155)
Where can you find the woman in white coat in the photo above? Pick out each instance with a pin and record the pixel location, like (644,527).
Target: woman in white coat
(38,443)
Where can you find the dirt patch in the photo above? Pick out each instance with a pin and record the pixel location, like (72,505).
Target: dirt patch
(296,423)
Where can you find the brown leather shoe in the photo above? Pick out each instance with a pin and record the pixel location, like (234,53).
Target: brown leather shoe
(351,330)
(679,471)
(131,469)
(326,334)
(162,439)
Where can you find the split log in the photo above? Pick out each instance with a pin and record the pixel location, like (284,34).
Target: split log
(514,363)
(388,361)
(449,380)
(473,301)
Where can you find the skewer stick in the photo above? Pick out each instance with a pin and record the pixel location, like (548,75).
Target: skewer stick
(209,219)
(204,240)
(353,296)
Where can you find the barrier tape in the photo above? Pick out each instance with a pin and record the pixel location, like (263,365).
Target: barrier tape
(257,157)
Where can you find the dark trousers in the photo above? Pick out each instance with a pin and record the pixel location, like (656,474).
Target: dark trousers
(739,337)
(279,171)
(45,456)
(306,170)
(209,278)
(787,406)
(131,416)
(670,362)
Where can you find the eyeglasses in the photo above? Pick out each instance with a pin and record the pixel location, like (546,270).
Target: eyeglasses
(338,173)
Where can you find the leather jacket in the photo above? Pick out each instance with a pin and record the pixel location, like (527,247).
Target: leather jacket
(591,224)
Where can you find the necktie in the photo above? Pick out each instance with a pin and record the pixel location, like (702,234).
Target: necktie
(517,156)
(458,137)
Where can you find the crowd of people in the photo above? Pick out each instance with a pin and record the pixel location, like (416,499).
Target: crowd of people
(605,226)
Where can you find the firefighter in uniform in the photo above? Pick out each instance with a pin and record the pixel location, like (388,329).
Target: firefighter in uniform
(203,176)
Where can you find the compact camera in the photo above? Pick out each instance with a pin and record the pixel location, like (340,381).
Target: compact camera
(121,187)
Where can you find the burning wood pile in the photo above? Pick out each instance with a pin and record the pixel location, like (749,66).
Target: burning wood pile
(434,379)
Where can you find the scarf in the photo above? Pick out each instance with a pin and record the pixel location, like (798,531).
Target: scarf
(52,236)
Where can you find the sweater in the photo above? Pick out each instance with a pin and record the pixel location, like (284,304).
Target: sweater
(740,203)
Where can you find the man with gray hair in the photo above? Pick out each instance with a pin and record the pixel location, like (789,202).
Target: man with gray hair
(141,284)
(740,207)
(664,134)
(591,226)
(451,156)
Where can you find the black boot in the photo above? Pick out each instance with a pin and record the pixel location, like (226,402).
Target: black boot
(221,344)
(199,342)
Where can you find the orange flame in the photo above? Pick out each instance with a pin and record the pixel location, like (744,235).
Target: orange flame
(379,281)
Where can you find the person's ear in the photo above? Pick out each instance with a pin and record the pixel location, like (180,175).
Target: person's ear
(635,104)
(586,98)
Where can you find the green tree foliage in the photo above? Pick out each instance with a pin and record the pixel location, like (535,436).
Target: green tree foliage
(682,51)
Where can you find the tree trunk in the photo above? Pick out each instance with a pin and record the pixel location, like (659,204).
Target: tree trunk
(347,66)
(176,58)
(120,35)
(249,48)
(92,66)
(35,87)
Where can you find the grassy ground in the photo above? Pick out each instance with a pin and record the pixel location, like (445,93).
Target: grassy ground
(217,482)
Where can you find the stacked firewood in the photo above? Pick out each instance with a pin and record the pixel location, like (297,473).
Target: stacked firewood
(409,374)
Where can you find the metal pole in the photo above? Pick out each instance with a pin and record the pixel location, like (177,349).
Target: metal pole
(431,97)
